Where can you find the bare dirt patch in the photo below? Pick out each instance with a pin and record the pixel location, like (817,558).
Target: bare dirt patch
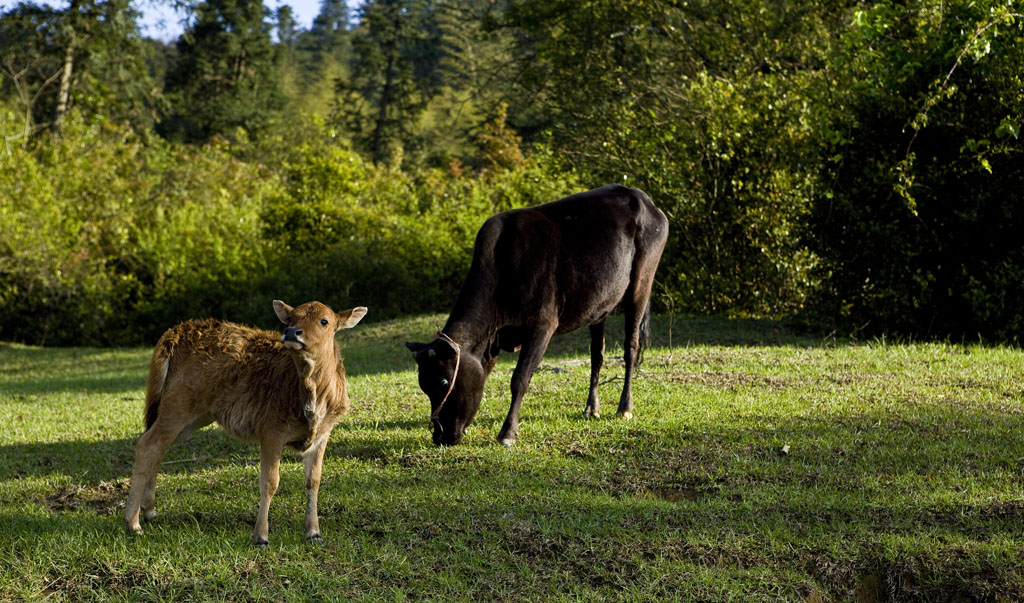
(105,498)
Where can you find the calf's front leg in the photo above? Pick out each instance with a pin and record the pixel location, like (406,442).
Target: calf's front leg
(313,460)
(270,465)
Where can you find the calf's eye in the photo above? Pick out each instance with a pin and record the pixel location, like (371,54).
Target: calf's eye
(323,321)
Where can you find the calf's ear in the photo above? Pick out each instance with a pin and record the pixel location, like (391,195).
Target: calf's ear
(350,318)
(283,311)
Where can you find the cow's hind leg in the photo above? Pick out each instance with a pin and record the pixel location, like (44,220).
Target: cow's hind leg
(631,347)
(593,409)
(636,310)
(530,355)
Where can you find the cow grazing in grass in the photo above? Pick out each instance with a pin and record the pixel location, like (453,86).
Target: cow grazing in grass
(258,386)
(536,272)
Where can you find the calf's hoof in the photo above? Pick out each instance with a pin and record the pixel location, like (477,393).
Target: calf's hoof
(134,529)
(261,543)
(149,514)
(314,539)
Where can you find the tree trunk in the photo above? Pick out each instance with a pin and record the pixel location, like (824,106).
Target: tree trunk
(64,94)
(389,83)
(385,100)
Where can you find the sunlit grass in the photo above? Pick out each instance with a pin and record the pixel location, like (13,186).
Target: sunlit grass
(761,465)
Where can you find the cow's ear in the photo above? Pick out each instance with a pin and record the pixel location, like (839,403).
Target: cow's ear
(446,349)
(414,347)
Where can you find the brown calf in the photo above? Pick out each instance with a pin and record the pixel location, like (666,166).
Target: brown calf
(258,386)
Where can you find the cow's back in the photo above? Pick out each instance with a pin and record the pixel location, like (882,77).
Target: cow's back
(573,257)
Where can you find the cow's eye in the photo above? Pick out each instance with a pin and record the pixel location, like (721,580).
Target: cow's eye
(444,382)
(323,321)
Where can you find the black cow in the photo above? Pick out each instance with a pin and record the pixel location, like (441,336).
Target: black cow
(538,271)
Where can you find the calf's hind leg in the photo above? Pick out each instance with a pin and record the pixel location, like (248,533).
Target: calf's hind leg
(149,452)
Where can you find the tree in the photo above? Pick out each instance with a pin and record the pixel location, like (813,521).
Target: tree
(88,55)
(918,223)
(703,104)
(330,27)
(287,32)
(224,75)
(392,60)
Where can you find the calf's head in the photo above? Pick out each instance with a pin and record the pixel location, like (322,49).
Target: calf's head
(310,328)
(454,382)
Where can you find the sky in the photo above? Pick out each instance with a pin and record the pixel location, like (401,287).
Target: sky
(163,23)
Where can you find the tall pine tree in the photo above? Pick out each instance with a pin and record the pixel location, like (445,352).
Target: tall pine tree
(393,59)
(224,76)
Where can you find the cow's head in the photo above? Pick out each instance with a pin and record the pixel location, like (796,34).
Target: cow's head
(454,382)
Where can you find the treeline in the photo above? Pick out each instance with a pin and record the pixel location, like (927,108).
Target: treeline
(851,165)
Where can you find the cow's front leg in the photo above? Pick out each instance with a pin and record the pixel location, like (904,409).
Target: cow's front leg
(529,359)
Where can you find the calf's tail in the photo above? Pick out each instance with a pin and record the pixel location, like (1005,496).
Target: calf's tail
(158,368)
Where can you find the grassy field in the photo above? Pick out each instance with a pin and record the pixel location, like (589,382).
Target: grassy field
(761,465)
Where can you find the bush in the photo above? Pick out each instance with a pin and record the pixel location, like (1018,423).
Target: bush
(918,227)
(113,238)
(397,242)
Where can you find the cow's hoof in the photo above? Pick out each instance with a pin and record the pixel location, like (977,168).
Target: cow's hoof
(507,442)
(627,415)
(134,530)
(314,539)
(149,514)
(590,414)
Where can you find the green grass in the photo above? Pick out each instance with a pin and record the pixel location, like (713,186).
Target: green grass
(903,479)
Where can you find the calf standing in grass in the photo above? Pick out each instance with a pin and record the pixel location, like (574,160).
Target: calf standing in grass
(258,386)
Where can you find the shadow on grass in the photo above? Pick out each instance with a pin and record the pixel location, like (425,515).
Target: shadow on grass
(603,506)
(376,349)
(380,347)
(28,370)
(92,462)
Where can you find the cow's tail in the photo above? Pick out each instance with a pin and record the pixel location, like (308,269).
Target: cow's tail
(645,335)
(158,369)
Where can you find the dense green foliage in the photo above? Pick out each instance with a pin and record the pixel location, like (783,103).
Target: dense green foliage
(855,165)
(902,481)
(918,228)
(165,232)
(222,76)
